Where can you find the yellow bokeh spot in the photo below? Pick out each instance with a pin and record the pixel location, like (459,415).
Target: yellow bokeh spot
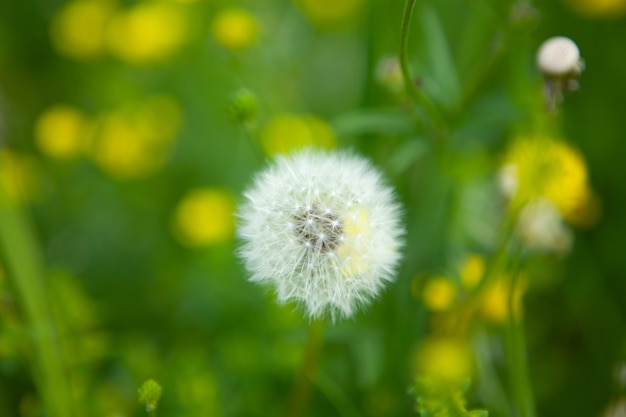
(472,271)
(598,8)
(148,32)
(445,359)
(19,177)
(287,132)
(63,132)
(495,302)
(78,29)
(356,231)
(235,28)
(205,217)
(133,141)
(331,12)
(439,294)
(550,169)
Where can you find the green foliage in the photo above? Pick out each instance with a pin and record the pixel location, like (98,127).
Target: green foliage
(149,394)
(439,399)
(114,112)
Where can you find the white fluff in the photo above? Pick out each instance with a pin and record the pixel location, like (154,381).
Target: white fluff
(323,229)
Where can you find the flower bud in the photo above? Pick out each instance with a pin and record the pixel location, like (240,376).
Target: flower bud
(244,106)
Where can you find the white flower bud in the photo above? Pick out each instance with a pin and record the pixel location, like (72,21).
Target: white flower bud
(559,56)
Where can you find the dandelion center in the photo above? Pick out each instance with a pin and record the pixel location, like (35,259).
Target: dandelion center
(319,229)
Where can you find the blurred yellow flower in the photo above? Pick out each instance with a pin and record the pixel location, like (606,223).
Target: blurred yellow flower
(19,177)
(205,217)
(495,302)
(78,29)
(472,271)
(543,167)
(133,141)
(148,32)
(439,294)
(287,132)
(598,8)
(445,359)
(331,12)
(235,28)
(63,131)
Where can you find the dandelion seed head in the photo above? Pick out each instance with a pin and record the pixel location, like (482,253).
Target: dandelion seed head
(322,229)
(559,56)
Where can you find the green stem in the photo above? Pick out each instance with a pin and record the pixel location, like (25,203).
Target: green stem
(26,272)
(520,377)
(301,393)
(415,93)
(496,264)
(335,395)
(253,142)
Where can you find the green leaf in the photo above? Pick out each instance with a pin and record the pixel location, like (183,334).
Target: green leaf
(478,413)
(406,154)
(441,59)
(435,398)
(390,122)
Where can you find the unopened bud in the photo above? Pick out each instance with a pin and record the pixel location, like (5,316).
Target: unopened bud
(244,106)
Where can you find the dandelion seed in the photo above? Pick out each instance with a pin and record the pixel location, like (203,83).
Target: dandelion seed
(323,229)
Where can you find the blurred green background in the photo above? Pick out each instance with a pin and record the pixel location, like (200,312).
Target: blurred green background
(123,162)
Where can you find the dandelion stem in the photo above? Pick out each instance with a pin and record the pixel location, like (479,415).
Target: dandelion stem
(301,393)
(520,378)
(416,94)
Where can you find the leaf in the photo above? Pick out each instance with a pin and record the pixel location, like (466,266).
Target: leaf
(366,121)
(435,398)
(440,59)
(406,154)
(478,413)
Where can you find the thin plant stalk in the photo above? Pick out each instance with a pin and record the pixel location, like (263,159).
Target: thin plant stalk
(416,94)
(26,273)
(301,394)
(520,378)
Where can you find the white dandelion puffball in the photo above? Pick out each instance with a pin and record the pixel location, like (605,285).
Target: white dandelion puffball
(323,229)
(559,56)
